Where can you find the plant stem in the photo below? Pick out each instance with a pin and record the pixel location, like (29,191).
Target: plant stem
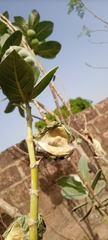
(33,223)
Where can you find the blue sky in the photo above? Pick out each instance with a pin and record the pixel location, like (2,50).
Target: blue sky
(79,79)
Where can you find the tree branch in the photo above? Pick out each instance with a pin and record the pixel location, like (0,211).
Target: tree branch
(10,210)
(94,14)
(95,67)
(98,42)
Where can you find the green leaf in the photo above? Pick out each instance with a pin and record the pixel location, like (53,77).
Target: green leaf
(14,39)
(10,107)
(20,20)
(68,181)
(83,167)
(80,206)
(72,193)
(42,84)
(28,56)
(86,215)
(33,18)
(96,178)
(6,14)
(16,78)
(43,30)
(99,186)
(21,111)
(48,49)
(21,24)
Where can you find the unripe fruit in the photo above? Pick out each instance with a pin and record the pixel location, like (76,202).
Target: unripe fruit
(34,42)
(31,33)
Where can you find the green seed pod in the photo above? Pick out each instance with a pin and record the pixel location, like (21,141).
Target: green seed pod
(31,33)
(28,56)
(34,43)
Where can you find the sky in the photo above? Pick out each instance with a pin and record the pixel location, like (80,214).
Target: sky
(79,79)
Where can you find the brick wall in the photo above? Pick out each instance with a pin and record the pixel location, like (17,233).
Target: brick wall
(57,212)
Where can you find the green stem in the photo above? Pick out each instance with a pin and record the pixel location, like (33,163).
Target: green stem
(33,227)
(102,215)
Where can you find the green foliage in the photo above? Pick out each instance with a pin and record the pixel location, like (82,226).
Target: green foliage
(76,105)
(85,31)
(22,63)
(13,40)
(73,187)
(76,5)
(38,31)
(83,167)
(47,49)
(18,83)
(32,29)
(28,56)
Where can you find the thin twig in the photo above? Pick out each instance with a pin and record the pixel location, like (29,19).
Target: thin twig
(98,42)
(94,14)
(40,110)
(95,67)
(89,188)
(10,210)
(49,111)
(89,143)
(53,88)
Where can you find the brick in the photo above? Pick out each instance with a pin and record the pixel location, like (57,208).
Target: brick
(6,198)
(20,194)
(89,113)
(9,177)
(45,203)
(102,106)
(6,158)
(25,209)
(101,123)
(91,128)
(25,166)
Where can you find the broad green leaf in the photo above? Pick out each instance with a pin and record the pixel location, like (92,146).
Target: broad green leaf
(10,107)
(21,111)
(21,24)
(99,186)
(43,30)
(68,181)
(42,84)
(96,178)
(72,193)
(86,215)
(20,20)
(14,39)
(48,49)
(28,56)
(16,78)
(33,18)
(80,206)
(83,167)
